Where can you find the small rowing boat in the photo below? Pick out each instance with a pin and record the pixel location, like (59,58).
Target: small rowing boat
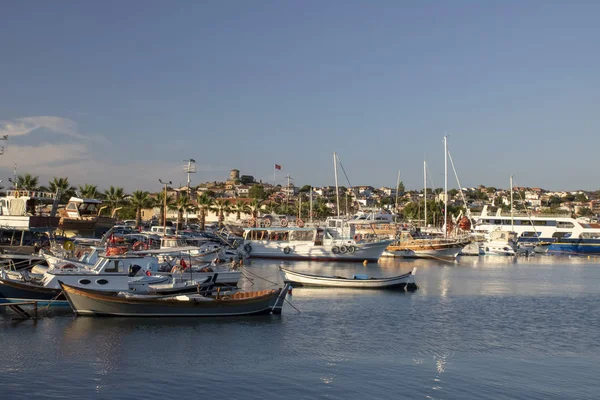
(358,281)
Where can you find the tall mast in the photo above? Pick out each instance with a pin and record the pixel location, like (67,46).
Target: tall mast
(425,189)
(397,193)
(445,186)
(512,220)
(310,215)
(337,192)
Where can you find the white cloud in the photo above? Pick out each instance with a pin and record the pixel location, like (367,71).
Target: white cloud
(26,125)
(79,161)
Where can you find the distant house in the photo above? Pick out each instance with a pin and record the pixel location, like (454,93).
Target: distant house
(242,190)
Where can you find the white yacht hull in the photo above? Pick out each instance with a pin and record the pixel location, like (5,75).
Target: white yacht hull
(334,251)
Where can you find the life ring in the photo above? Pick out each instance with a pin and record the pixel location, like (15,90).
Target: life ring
(335,250)
(287,250)
(267,222)
(357,237)
(343,249)
(247,248)
(300,223)
(351,249)
(68,245)
(283,222)
(140,246)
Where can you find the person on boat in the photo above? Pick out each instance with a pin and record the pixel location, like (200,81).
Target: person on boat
(183,264)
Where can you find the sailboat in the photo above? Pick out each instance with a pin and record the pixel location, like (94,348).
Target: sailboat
(411,245)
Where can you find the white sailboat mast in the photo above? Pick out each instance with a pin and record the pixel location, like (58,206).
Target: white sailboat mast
(337,191)
(445,186)
(512,219)
(397,193)
(425,189)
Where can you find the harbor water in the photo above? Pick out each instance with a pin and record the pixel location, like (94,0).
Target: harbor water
(482,328)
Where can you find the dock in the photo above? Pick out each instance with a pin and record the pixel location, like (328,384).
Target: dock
(21,312)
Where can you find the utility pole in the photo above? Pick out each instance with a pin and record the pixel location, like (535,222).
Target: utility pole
(190,168)
(165,205)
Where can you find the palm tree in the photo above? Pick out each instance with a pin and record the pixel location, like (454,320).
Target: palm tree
(159,202)
(254,209)
(272,207)
(182,204)
(239,209)
(27,182)
(89,191)
(222,207)
(205,203)
(62,185)
(115,196)
(140,199)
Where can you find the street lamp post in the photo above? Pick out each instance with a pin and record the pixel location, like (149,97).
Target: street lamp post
(165,206)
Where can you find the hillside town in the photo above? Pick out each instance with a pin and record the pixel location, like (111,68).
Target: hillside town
(290,199)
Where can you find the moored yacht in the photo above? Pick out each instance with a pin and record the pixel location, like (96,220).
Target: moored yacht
(316,243)
(558,234)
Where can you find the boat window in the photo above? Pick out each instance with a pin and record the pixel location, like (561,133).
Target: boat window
(278,236)
(101,281)
(260,235)
(114,266)
(589,235)
(301,236)
(540,223)
(561,235)
(529,234)
(88,209)
(72,206)
(565,224)
(85,281)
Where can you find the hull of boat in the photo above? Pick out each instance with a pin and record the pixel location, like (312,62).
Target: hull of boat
(11,291)
(396,282)
(423,251)
(28,223)
(572,247)
(86,302)
(327,252)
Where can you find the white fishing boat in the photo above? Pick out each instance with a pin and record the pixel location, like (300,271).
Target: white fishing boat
(319,244)
(357,281)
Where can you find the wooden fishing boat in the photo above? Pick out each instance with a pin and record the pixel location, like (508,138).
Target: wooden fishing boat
(93,302)
(358,281)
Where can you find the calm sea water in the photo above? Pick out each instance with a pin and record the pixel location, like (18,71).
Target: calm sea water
(482,328)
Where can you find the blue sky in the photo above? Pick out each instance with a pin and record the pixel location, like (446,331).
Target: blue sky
(121,93)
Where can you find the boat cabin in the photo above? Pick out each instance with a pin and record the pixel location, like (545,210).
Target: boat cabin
(159,230)
(25,202)
(79,208)
(314,235)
